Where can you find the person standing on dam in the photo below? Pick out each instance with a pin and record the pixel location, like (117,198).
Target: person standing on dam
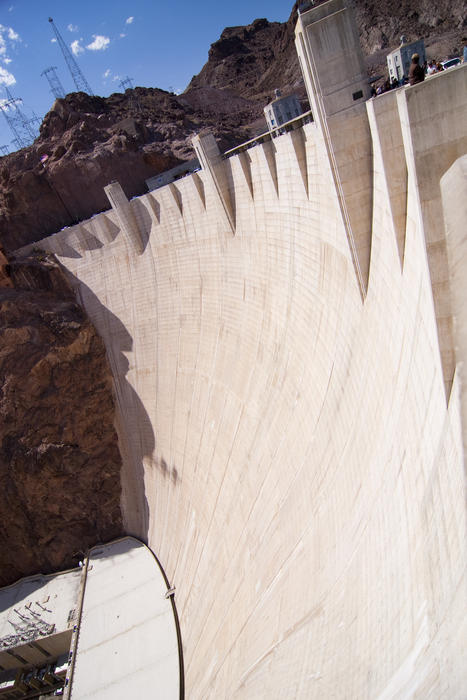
(416,72)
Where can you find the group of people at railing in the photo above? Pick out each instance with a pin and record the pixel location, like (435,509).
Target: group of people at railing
(418,72)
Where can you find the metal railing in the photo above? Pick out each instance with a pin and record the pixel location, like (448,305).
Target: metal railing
(291,125)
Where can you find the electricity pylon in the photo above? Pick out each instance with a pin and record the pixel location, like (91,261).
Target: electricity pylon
(79,80)
(18,122)
(56,87)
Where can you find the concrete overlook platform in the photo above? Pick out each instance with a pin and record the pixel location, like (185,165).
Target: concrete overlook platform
(105,629)
(286,330)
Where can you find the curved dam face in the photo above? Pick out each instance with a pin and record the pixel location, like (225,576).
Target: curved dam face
(292,437)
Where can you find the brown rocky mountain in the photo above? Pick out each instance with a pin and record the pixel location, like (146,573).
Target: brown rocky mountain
(250,59)
(91,141)
(59,458)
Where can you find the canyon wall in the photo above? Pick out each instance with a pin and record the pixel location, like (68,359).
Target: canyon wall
(59,459)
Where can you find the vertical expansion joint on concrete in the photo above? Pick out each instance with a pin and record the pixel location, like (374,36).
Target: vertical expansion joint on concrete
(125,216)
(155,208)
(297,138)
(420,109)
(334,110)
(176,198)
(269,151)
(454,203)
(215,167)
(388,149)
(199,188)
(245,164)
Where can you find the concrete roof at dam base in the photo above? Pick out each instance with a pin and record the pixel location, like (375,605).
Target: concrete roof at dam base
(287,334)
(127,644)
(111,626)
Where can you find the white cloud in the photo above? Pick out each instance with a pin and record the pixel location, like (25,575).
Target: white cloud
(6,78)
(100,43)
(76,47)
(8,41)
(10,33)
(122,35)
(129,20)
(107,73)
(72,28)
(53,41)
(115,78)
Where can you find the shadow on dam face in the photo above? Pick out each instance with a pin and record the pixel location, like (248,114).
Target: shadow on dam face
(142,215)
(137,441)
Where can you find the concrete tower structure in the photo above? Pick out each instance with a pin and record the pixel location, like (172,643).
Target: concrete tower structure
(287,334)
(335,78)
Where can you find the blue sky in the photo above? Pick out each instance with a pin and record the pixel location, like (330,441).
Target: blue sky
(154,42)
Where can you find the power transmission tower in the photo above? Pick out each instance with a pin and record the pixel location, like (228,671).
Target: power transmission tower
(56,88)
(4,150)
(18,122)
(126,83)
(133,103)
(35,120)
(79,80)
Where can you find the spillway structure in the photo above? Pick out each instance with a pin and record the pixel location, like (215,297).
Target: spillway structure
(287,333)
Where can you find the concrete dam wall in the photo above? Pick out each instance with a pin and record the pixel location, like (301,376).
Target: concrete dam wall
(290,399)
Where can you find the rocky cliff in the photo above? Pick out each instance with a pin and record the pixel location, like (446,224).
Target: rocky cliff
(59,457)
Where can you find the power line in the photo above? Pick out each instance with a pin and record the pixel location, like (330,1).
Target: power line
(127,84)
(79,80)
(21,127)
(56,87)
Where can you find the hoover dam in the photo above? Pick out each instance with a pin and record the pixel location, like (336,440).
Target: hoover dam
(287,334)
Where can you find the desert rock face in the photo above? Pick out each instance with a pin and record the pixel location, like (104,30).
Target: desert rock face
(254,60)
(59,457)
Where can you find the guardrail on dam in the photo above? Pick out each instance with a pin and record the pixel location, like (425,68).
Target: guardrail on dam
(291,410)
